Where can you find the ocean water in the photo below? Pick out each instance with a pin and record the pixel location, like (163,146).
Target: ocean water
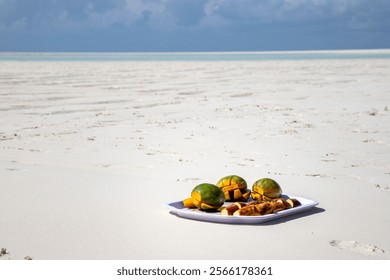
(198,56)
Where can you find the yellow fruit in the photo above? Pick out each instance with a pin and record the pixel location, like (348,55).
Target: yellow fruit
(189,203)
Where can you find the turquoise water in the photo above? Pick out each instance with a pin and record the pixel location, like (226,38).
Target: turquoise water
(217,56)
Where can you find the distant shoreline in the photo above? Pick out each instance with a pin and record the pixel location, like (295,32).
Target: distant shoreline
(196,56)
(381,50)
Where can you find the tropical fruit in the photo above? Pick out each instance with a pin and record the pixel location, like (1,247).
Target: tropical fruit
(206,197)
(259,207)
(189,203)
(266,188)
(234,188)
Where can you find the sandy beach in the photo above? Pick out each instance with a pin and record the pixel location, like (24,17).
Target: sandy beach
(91,151)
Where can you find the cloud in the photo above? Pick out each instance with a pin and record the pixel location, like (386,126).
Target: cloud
(185,22)
(213,15)
(176,14)
(129,13)
(279,10)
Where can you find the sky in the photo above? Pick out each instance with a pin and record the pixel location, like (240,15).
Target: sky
(193,25)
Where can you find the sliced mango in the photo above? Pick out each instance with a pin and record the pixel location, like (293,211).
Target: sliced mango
(234,187)
(189,203)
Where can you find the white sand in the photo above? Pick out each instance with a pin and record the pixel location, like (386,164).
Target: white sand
(90,152)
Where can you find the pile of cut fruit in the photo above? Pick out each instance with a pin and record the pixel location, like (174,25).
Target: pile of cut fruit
(264,198)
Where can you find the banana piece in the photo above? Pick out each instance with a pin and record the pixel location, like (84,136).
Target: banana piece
(257,208)
(229,210)
(293,202)
(280,204)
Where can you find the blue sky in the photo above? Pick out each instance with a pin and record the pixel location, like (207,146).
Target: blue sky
(193,25)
